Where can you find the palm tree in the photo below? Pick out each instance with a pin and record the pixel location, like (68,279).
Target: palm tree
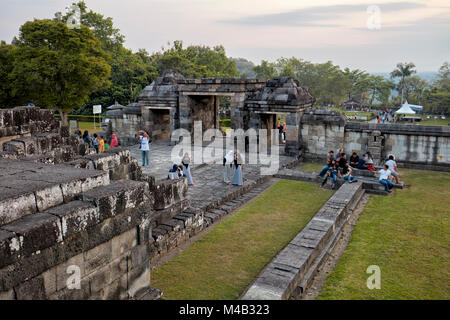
(402,71)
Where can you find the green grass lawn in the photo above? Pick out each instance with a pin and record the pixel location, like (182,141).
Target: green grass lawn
(224,261)
(432,122)
(89,126)
(314,167)
(407,236)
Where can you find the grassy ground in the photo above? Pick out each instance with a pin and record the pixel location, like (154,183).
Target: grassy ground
(89,126)
(432,122)
(407,236)
(316,167)
(224,261)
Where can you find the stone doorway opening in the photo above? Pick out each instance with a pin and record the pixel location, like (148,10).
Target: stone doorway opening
(160,123)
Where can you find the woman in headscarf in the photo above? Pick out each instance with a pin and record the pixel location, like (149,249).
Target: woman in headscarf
(187,171)
(114,141)
(227,167)
(87,138)
(238,165)
(173,173)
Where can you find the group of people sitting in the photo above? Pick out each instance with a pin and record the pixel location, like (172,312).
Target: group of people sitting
(338,166)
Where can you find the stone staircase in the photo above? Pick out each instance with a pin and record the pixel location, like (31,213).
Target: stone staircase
(172,233)
(56,216)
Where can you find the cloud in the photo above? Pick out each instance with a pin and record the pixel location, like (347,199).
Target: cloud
(317,16)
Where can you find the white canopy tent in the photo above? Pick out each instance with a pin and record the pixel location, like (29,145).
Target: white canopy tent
(405,109)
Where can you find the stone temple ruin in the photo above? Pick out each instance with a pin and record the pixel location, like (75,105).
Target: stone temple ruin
(173,102)
(67,213)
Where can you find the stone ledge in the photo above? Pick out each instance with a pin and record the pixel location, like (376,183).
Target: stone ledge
(282,275)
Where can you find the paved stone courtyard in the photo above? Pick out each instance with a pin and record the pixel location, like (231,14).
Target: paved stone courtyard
(209,186)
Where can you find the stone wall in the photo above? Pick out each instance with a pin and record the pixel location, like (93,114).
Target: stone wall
(426,147)
(25,121)
(99,229)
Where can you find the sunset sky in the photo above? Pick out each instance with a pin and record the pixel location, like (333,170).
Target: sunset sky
(319,30)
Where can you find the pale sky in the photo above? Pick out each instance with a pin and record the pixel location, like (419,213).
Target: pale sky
(314,30)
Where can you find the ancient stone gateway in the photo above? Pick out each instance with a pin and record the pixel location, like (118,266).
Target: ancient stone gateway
(173,102)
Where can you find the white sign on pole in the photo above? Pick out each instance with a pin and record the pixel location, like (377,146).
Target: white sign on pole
(97,109)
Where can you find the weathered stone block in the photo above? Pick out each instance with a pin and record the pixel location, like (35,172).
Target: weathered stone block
(65,271)
(32,289)
(97,257)
(123,243)
(76,216)
(39,231)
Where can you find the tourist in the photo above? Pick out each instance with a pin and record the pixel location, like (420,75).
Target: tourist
(392,165)
(187,171)
(145,147)
(333,172)
(114,141)
(227,166)
(284,131)
(347,173)
(78,132)
(175,172)
(238,166)
(384,178)
(369,161)
(354,160)
(87,138)
(342,162)
(280,131)
(95,142)
(101,144)
(330,157)
(339,153)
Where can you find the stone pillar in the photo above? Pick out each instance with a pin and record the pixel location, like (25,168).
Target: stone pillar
(237,110)
(292,146)
(374,144)
(184,112)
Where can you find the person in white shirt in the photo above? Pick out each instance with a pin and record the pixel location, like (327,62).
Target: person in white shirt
(145,147)
(393,167)
(384,178)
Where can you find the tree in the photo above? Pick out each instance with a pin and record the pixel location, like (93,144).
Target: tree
(6,66)
(195,61)
(265,70)
(58,67)
(130,72)
(403,71)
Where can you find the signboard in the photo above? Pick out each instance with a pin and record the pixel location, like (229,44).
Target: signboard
(97,109)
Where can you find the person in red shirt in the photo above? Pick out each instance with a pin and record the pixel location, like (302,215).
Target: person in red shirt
(114,141)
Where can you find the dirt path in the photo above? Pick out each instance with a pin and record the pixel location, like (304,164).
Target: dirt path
(328,266)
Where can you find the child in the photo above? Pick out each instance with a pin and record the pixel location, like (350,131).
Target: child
(101,144)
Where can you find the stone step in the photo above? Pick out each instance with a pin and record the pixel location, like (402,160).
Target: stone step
(118,196)
(35,232)
(27,187)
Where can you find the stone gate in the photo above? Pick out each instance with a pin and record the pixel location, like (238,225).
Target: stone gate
(172,101)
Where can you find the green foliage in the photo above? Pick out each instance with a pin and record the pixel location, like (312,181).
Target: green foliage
(130,72)
(327,82)
(195,61)
(57,67)
(6,66)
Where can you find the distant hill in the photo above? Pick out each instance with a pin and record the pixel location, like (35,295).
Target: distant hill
(245,67)
(428,76)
